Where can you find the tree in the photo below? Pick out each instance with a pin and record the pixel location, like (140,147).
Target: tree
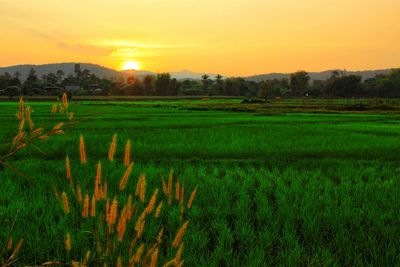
(228,87)
(264,89)
(219,84)
(77,70)
(299,83)
(240,86)
(60,75)
(15,81)
(148,82)
(162,83)
(5,80)
(205,80)
(344,86)
(174,87)
(13,91)
(32,82)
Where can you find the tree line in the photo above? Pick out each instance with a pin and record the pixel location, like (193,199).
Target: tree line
(299,84)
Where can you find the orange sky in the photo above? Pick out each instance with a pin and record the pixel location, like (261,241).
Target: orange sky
(232,37)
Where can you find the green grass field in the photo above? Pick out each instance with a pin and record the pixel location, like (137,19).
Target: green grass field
(287,189)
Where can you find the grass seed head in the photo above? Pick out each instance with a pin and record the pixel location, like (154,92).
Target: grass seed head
(158,210)
(113,147)
(125,177)
(113,212)
(178,255)
(65,202)
(65,100)
(68,242)
(54,109)
(82,149)
(16,250)
(68,169)
(93,207)
(152,202)
(177,190)
(154,257)
(79,193)
(191,198)
(9,243)
(85,209)
(138,254)
(179,235)
(127,155)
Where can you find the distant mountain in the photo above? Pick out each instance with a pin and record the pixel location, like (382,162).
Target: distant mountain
(187,74)
(67,68)
(323,75)
(100,71)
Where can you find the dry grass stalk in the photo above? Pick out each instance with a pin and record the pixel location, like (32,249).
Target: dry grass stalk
(164,186)
(191,198)
(141,188)
(154,257)
(28,118)
(127,155)
(129,208)
(16,250)
(158,210)
(138,254)
(98,192)
(79,193)
(179,234)
(159,236)
(140,222)
(125,177)
(65,202)
(21,108)
(169,263)
(152,202)
(85,209)
(68,169)
(54,109)
(121,227)
(93,207)
(177,190)
(178,255)
(57,196)
(65,101)
(68,242)
(9,243)
(170,187)
(119,261)
(182,197)
(113,147)
(82,149)
(104,191)
(113,213)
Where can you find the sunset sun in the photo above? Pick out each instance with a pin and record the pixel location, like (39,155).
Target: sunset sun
(130,65)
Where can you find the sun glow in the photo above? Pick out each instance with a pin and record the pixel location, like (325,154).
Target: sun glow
(130,65)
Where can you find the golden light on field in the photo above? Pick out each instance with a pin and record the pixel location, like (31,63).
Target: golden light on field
(130,65)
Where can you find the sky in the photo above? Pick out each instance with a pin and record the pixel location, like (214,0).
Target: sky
(231,37)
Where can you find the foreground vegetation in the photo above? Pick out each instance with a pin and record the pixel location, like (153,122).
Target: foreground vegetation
(274,189)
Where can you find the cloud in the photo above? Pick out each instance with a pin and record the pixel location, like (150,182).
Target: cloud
(133,44)
(85,49)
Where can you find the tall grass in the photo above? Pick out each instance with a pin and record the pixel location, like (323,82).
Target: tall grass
(123,225)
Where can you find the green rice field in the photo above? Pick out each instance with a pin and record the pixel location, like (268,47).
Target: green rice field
(276,188)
